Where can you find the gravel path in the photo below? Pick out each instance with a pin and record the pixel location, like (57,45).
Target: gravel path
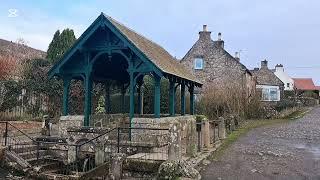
(281,151)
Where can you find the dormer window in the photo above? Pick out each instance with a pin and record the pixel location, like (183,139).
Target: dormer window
(198,63)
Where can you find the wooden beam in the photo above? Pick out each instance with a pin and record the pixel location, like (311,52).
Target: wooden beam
(157,86)
(183,99)
(172,98)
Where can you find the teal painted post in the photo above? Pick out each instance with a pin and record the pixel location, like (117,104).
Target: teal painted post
(66,89)
(132,86)
(183,99)
(172,98)
(157,84)
(107,100)
(140,99)
(87,101)
(191,91)
(123,93)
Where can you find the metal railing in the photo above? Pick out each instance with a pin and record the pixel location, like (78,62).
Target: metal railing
(56,156)
(11,135)
(214,131)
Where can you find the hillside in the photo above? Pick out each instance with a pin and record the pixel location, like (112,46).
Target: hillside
(19,51)
(12,57)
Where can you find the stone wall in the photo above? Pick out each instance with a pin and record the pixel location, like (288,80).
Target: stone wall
(186,125)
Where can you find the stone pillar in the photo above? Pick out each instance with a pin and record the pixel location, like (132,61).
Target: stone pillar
(116,166)
(69,121)
(174,149)
(191,137)
(99,154)
(72,154)
(232,123)
(2,155)
(205,134)
(222,128)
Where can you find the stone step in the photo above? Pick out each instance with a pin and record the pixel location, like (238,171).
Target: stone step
(50,166)
(56,176)
(21,148)
(32,154)
(41,160)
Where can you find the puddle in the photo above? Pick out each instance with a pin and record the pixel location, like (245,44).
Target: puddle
(313,149)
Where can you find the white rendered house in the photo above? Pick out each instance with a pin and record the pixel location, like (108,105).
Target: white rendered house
(284,77)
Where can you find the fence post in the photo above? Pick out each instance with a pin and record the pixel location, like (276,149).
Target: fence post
(205,133)
(198,128)
(37,150)
(174,144)
(214,132)
(6,135)
(118,140)
(222,128)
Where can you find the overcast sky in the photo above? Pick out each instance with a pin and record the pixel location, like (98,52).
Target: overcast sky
(281,31)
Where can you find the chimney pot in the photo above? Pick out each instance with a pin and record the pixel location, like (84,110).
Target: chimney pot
(219,36)
(204,27)
(236,54)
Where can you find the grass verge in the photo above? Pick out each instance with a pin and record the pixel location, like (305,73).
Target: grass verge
(251,124)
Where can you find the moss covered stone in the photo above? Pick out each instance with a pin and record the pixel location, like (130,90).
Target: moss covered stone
(177,169)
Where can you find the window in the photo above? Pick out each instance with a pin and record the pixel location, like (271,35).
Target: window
(270,94)
(273,94)
(198,63)
(288,85)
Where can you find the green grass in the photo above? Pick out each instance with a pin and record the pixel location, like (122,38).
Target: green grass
(252,124)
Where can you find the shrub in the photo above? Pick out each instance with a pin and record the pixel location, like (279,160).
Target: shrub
(216,102)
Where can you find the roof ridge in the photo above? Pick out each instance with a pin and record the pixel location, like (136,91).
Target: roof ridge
(109,17)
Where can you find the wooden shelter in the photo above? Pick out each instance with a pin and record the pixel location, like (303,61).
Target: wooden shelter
(108,50)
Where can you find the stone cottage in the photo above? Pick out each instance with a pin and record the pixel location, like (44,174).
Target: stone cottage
(284,77)
(211,63)
(268,84)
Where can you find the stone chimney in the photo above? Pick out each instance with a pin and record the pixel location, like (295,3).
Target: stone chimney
(279,68)
(219,41)
(205,34)
(236,56)
(264,64)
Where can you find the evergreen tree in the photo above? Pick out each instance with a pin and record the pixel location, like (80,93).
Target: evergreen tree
(52,49)
(60,44)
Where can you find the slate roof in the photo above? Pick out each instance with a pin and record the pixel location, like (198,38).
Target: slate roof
(157,54)
(304,84)
(265,76)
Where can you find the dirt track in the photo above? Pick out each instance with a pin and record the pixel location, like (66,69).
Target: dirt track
(281,151)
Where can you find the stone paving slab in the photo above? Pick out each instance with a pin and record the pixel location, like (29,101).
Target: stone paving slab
(150,156)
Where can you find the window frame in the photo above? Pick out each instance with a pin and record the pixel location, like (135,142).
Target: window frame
(195,63)
(270,93)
